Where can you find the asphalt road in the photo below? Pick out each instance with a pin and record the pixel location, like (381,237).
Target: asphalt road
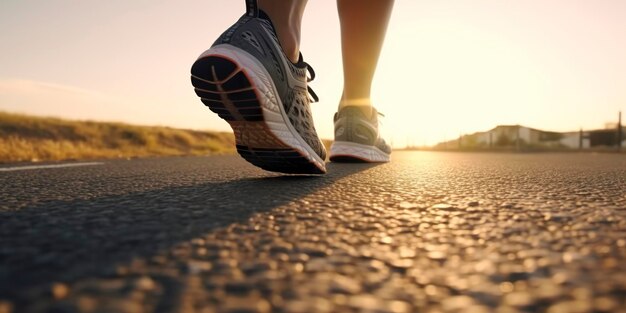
(428,232)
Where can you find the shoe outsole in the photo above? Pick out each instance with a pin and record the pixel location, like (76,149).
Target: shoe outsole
(235,87)
(350,152)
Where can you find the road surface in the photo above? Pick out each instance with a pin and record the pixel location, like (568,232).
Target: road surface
(428,232)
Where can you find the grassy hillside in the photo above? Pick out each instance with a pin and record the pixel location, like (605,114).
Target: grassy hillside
(28,138)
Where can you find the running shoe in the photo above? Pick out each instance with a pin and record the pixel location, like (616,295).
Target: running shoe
(357,137)
(246,79)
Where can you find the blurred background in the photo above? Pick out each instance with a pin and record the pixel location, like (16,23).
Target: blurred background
(448,67)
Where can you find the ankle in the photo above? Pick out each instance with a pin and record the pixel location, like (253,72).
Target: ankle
(364,104)
(291,45)
(286,25)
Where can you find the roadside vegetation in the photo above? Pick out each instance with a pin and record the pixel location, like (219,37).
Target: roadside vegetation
(26,138)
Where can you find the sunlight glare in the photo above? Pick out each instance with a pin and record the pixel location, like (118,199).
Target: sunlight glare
(455,75)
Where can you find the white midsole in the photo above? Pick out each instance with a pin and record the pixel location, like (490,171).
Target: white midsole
(274,113)
(365,152)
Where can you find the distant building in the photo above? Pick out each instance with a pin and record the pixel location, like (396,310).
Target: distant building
(521,137)
(603,138)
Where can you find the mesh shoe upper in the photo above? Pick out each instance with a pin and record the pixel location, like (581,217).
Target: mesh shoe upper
(352,124)
(257,36)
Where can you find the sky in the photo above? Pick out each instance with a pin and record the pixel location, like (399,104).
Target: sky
(448,67)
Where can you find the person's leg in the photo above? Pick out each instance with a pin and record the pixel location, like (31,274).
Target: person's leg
(357,135)
(286,15)
(363,28)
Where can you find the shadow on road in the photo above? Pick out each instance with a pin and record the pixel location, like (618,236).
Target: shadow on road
(60,241)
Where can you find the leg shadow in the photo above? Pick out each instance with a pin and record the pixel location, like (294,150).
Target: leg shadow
(61,241)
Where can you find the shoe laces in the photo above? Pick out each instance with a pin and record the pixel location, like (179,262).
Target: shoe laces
(309,79)
(380,120)
(381,126)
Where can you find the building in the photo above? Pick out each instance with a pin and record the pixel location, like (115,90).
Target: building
(521,137)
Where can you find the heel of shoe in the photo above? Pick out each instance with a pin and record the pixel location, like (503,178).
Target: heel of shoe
(232,85)
(225,89)
(350,152)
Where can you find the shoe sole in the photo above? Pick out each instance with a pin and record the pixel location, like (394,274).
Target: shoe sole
(350,152)
(236,86)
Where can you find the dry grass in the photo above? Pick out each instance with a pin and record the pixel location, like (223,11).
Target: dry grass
(28,138)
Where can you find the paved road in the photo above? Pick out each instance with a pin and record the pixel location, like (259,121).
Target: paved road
(429,232)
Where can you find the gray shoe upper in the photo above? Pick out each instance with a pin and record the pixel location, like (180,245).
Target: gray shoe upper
(257,36)
(352,124)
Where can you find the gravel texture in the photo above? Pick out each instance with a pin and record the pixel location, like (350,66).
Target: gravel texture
(428,232)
